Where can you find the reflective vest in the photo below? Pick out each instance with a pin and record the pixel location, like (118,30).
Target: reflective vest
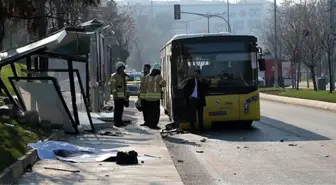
(142,91)
(154,86)
(118,86)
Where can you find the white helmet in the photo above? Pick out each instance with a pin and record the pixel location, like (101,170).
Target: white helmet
(120,64)
(156,66)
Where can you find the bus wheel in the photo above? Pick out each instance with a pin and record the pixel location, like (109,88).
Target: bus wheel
(246,124)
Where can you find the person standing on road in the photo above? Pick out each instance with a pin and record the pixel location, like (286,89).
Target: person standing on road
(142,94)
(154,84)
(194,93)
(119,92)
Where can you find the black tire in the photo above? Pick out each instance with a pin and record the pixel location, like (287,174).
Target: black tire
(246,124)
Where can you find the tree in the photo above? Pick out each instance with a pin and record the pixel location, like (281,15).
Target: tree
(13,8)
(313,39)
(122,24)
(292,35)
(303,33)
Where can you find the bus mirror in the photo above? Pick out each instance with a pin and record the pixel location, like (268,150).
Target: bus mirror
(262,65)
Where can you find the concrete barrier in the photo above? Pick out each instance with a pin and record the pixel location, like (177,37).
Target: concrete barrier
(301,102)
(14,171)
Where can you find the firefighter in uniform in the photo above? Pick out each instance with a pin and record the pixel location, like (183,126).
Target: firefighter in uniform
(120,95)
(154,84)
(142,94)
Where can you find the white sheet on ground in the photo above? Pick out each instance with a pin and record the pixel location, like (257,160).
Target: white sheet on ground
(45,151)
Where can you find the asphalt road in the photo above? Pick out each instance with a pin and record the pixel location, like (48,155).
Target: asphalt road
(290,145)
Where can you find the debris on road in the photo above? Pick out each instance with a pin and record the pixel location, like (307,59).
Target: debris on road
(107,108)
(238,147)
(108,133)
(203,140)
(167,132)
(64,170)
(291,144)
(281,140)
(180,161)
(200,151)
(234,174)
(152,156)
(326,156)
(29,168)
(246,147)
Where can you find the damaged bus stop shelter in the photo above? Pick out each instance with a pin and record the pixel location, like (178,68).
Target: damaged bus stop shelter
(60,94)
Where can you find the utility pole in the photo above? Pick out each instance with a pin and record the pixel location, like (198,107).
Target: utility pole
(208,24)
(275,46)
(331,45)
(186,27)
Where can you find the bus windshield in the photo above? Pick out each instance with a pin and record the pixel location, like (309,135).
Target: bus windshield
(222,64)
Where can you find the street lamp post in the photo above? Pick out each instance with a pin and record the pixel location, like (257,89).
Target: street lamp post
(275,47)
(208,16)
(228,11)
(331,46)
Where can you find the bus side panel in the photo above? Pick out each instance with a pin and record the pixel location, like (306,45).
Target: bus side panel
(250,106)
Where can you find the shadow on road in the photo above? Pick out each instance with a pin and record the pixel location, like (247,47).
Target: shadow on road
(266,130)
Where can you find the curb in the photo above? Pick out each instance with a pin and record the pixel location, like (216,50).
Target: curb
(11,173)
(301,102)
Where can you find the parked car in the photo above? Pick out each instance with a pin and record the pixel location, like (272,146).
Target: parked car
(261,82)
(133,83)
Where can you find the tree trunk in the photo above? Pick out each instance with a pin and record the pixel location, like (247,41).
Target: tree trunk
(331,75)
(2,33)
(138,63)
(85,13)
(42,30)
(312,70)
(2,36)
(60,14)
(298,78)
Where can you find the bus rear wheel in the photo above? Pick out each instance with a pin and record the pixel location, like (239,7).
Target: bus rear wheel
(246,124)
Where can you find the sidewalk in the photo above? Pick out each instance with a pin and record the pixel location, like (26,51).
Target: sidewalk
(158,170)
(300,102)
